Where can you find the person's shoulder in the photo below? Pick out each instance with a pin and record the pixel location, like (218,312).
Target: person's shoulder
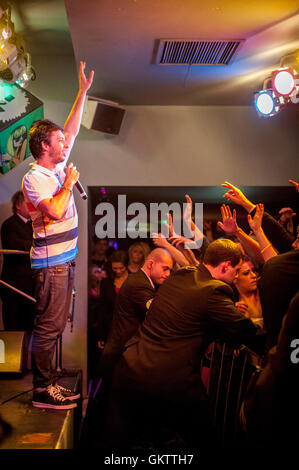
(217,287)
(283,258)
(12,220)
(135,280)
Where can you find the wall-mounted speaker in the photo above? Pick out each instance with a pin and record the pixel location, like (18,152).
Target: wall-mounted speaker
(102,115)
(12,351)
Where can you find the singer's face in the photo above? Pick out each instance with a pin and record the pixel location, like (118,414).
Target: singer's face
(58,147)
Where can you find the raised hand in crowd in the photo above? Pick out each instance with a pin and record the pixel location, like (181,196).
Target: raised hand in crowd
(294,184)
(229,225)
(267,249)
(229,220)
(161,241)
(196,233)
(235,195)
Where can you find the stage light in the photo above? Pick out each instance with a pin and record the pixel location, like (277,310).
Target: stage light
(15,62)
(27,74)
(284,81)
(14,71)
(267,103)
(8,54)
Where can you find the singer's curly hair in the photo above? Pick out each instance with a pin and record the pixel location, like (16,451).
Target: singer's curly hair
(41,131)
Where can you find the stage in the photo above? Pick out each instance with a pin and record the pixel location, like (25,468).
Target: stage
(26,427)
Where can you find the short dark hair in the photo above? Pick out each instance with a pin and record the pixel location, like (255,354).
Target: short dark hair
(119,256)
(41,131)
(222,250)
(16,199)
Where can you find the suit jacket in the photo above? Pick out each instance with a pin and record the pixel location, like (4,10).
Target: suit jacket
(277,234)
(107,300)
(129,312)
(278,284)
(190,310)
(271,408)
(17,235)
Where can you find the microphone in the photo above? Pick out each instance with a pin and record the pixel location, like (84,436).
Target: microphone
(81,190)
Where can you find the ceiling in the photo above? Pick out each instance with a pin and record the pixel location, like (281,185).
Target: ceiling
(118,38)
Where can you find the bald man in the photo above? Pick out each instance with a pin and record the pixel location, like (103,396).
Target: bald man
(132,303)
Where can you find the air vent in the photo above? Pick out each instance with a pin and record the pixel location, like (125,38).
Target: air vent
(196,51)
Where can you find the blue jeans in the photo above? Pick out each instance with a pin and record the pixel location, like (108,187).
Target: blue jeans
(53,293)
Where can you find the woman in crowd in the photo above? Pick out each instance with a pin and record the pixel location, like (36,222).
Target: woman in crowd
(136,257)
(109,290)
(249,300)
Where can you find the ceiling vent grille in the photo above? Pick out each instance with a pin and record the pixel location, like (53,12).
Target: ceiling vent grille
(196,51)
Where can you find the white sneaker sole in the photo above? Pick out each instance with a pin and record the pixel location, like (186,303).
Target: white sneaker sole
(38,404)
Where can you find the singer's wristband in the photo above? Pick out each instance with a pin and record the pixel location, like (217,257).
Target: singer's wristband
(68,189)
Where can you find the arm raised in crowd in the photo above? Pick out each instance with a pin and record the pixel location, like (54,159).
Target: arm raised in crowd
(279,237)
(229,225)
(160,241)
(295,184)
(267,250)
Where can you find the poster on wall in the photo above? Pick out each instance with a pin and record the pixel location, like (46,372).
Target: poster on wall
(18,110)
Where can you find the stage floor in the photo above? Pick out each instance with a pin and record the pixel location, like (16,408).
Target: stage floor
(37,428)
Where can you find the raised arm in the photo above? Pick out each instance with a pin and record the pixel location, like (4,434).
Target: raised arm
(161,241)
(267,250)
(198,236)
(279,237)
(235,195)
(229,225)
(72,124)
(296,185)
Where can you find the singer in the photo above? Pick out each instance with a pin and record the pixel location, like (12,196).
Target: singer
(48,192)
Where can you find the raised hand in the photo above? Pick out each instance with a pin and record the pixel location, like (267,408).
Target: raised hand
(177,241)
(171,232)
(229,221)
(255,223)
(235,195)
(294,184)
(159,240)
(84,83)
(188,211)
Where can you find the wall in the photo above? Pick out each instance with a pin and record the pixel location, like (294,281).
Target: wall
(161,146)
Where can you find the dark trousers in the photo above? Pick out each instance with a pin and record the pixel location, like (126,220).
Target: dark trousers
(135,408)
(53,292)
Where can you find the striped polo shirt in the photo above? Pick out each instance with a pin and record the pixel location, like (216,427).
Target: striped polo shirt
(54,241)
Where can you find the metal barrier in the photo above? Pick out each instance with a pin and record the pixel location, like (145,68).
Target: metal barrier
(230,372)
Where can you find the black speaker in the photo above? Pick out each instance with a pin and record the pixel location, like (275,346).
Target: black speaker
(101,115)
(12,351)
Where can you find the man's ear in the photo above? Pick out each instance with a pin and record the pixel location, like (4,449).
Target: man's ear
(224,266)
(44,145)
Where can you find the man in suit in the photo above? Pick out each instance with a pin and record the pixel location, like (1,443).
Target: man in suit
(160,370)
(16,234)
(132,303)
(278,284)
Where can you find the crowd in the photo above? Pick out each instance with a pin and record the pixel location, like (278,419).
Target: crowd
(238,287)
(156,309)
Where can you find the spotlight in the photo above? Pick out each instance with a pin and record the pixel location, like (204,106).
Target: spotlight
(15,69)
(267,103)
(8,54)
(284,81)
(27,74)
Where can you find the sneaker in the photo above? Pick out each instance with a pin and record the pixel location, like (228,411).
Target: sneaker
(52,398)
(66,392)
